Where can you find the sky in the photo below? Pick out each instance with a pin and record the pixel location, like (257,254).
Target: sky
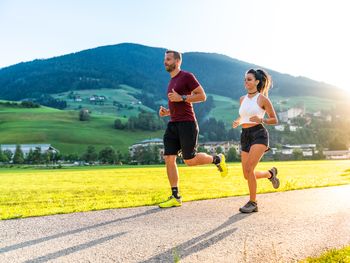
(298,37)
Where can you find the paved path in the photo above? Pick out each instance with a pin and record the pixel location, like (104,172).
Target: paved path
(289,226)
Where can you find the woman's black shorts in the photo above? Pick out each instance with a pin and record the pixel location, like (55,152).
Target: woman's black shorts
(254,135)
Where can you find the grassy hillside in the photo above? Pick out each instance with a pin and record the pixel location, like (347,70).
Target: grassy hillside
(125,95)
(312,104)
(63,130)
(226,109)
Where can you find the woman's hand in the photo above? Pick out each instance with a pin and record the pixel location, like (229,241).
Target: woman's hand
(256,119)
(235,124)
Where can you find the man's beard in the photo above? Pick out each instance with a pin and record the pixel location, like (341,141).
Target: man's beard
(170,67)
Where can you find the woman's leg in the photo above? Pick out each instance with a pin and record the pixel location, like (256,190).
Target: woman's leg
(258,174)
(250,162)
(262,174)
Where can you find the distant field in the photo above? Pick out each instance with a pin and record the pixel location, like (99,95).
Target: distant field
(226,109)
(64,131)
(124,95)
(29,192)
(312,104)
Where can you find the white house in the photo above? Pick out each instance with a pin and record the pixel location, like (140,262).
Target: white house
(145,143)
(293,128)
(211,147)
(307,149)
(290,114)
(279,127)
(337,155)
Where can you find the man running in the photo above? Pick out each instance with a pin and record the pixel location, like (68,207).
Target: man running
(181,135)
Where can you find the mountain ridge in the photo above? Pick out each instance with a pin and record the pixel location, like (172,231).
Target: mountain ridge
(141,66)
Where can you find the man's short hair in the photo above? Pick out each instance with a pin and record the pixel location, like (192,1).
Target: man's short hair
(177,55)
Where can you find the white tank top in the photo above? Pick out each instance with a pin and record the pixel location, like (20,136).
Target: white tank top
(250,108)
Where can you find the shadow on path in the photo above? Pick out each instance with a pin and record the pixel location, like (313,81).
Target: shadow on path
(72,232)
(198,243)
(70,250)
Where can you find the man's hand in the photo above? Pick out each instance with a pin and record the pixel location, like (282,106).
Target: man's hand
(163,112)
(174,96)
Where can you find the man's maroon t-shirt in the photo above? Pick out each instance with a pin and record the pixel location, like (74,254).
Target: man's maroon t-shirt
(183,83)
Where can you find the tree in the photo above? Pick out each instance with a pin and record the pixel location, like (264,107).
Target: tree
(145,121)
(118,124)
(48,157)
(297,154)
(319,154)
(3,157)
(201,149)
(232,155)
(72,157)
(18,157)
(37,157)
(8,155)
(147,155)
(107,155)
(84,115)
(30,157)
(219,150)
(337,144)
(90,155)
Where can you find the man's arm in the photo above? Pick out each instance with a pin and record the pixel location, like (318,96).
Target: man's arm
(197,95)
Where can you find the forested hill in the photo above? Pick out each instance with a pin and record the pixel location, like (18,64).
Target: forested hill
(141,67)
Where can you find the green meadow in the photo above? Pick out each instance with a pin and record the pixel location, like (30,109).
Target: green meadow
(334,255)
(125,95)
(226,109)
(36,192)
(64,131)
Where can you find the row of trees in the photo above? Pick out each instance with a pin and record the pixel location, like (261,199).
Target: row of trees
(23,104)
(49,101)
(107,155)
(33,157)
(142,155)
(144,121)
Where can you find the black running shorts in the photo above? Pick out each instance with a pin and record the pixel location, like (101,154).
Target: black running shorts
(254,135)
(181,138)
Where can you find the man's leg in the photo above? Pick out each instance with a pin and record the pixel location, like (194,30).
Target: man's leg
(173,176)
(171,169)
(203,158)
(200,158)
(188,139)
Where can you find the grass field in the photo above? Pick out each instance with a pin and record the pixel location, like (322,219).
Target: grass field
(29,192)
(312,104)
(124,95)
(64,131)
(334,255)
(226,109)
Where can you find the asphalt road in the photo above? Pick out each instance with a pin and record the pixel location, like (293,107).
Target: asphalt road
(288,227)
